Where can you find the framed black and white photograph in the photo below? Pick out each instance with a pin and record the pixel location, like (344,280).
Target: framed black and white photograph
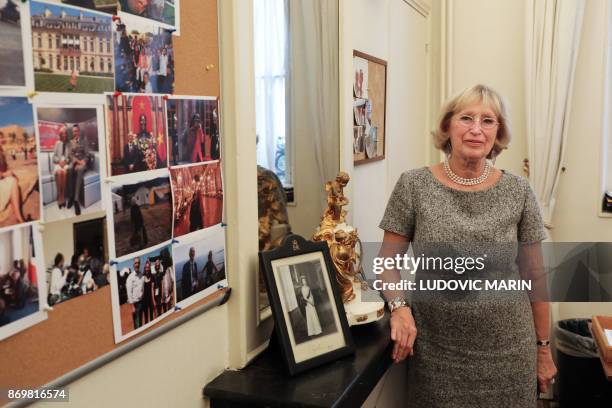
(310,319)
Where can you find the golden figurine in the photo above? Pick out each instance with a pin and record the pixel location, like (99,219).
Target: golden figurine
(340,237)
(272,204)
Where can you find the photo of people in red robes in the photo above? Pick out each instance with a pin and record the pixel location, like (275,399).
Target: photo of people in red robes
(193,130)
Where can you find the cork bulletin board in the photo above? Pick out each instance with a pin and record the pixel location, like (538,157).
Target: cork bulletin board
(369,107)
(81,330)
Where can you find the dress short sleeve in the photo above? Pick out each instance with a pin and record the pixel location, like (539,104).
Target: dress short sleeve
(531,226)
(399,215)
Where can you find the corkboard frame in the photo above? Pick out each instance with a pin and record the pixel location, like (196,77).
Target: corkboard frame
(377,93)
(77,338)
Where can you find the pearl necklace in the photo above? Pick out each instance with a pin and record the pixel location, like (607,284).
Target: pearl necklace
(467,181)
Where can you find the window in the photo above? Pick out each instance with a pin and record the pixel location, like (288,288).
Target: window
(85,67)
(271,67)
(57,41)
(65,63)
(108,45)
(39,38)
(50,38)
(58,62)
(50,61)
(78,63)
(109,65)
(101,65)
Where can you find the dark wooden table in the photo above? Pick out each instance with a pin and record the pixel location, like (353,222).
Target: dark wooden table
(607,367)
(343,383)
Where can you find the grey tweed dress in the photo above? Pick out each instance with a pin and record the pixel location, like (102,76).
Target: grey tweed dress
(469,353)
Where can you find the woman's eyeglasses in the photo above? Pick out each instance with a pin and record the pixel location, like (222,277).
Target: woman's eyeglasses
(485,122)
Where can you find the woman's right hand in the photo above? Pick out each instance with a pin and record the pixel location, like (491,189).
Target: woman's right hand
(403,333)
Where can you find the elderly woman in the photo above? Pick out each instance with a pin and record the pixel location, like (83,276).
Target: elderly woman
(61,160)
(470,353)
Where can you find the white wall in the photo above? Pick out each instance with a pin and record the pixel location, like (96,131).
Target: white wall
(393,31)
(486,45)
(579,196)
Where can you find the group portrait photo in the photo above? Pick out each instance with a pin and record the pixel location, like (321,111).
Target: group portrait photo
(145,289)
(76,264)
(144,57)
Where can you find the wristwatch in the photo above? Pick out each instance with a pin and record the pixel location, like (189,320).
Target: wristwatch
(396,303)
(543,343)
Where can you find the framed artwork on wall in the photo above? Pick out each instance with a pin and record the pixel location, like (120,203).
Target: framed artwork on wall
(369,107)
(308,312)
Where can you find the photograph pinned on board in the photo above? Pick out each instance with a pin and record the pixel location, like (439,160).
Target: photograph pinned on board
(193,130)
(200,264)
(21,271)
(360,80)
(136,133)
(12,72)
(69,161)
(358,139)
(143,291)
(144,57)
(163,11)
(102,6)
(76,264)
(142,214)
(359,112)
(72,49)
(371,142)
(198,197)
(20,199)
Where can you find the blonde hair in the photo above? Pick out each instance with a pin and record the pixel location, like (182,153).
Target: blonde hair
(475,94)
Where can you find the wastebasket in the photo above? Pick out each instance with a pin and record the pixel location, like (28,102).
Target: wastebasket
(581,380)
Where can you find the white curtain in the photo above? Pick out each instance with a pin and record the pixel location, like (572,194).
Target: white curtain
(270,32)
(284,274)
(313,27)
(553,38)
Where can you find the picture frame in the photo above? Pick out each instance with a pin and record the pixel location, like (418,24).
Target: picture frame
(309,315)
(369,107)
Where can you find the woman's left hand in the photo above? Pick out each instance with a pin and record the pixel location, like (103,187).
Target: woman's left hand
(546,368)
